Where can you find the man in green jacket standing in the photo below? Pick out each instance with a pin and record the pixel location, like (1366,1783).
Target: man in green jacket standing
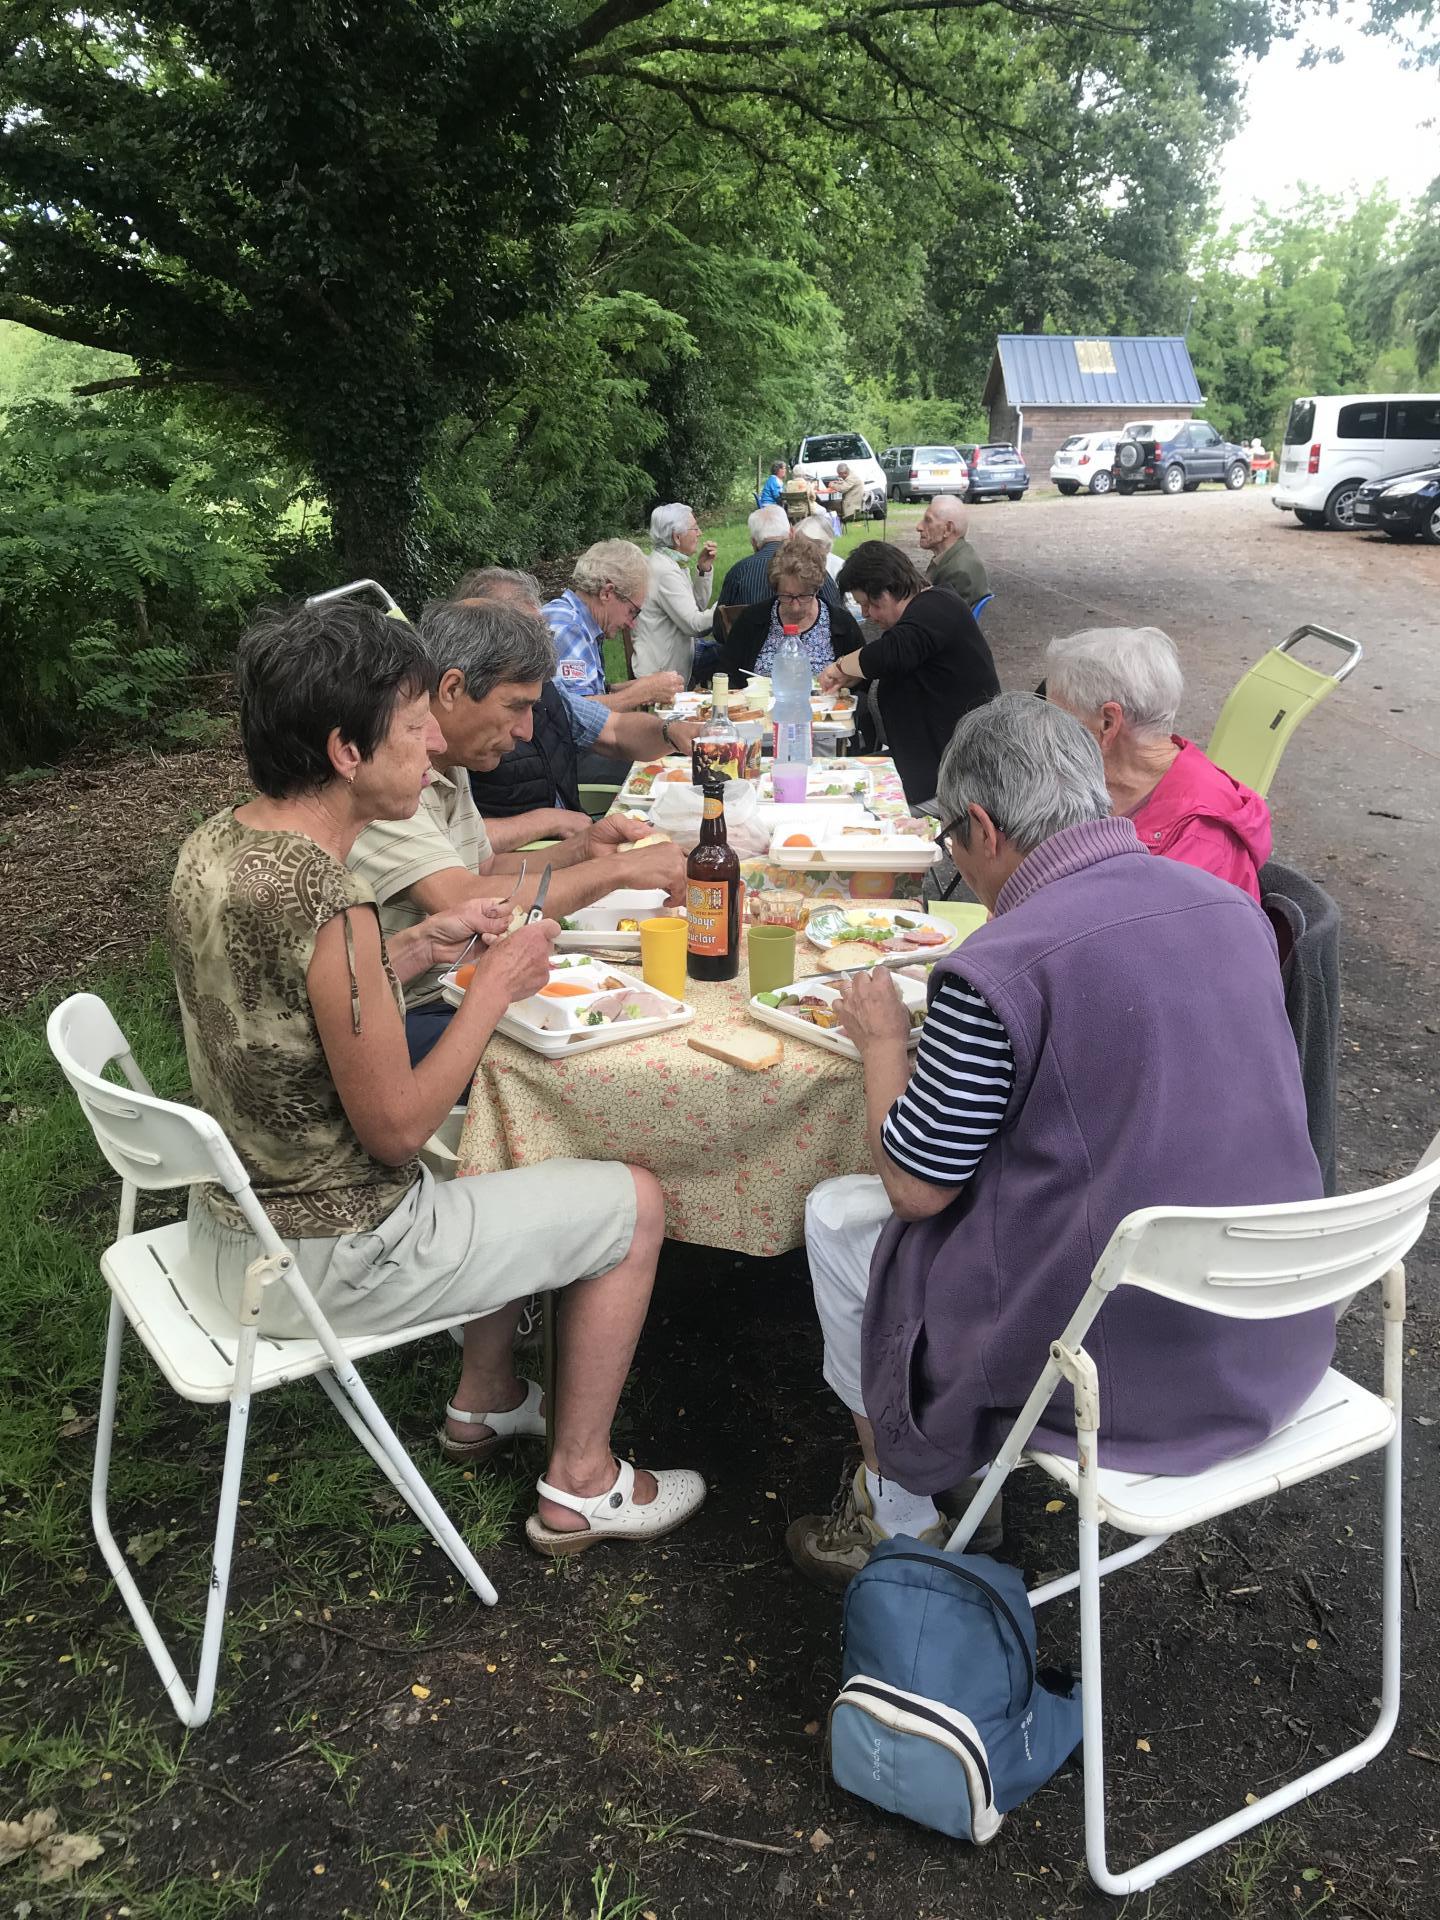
(954,563)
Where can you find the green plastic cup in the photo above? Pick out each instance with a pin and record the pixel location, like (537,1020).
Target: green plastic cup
(771,954)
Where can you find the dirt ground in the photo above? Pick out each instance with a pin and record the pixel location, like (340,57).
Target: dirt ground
(634,1693)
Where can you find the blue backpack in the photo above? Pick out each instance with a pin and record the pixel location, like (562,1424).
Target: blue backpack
(942,1714)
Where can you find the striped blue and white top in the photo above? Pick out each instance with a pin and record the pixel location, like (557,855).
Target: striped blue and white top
(957,1095)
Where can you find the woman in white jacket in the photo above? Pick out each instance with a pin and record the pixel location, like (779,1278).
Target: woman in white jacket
(677,609)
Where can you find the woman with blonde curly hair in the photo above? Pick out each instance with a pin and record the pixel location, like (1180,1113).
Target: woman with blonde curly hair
(796,574)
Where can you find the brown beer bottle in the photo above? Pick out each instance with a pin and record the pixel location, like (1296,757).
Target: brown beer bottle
(712,894)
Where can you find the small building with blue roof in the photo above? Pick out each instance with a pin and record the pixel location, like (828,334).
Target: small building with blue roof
(1042,387)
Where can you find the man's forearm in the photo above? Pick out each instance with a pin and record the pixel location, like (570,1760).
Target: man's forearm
(624,698)
(633,736)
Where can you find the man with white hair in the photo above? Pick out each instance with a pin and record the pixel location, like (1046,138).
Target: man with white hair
(608,589)
(851,503)
(1113,1038)
(677,608)
(749,580)
(954,563)
(1124,684)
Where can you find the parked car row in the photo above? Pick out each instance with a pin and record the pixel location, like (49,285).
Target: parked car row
(1362,460)
(1170,456)
(976,471)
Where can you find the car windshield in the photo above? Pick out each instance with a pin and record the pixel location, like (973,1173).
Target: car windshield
(940,454)
(834,446)
(1301,424)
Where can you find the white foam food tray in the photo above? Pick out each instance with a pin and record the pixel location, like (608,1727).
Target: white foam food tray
(903,935)
(599,925)
(843,783)
(875,846)
(557,1025)
(646,775)
(826,989)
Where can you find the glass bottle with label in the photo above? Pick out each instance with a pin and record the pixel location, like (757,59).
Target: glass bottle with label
(716,746)
(712,894)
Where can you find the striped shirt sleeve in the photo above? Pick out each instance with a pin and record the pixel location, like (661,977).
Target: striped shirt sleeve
(957,1094)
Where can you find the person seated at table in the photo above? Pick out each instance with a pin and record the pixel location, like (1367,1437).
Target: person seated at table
(749,579)
(533,792)
(929,664)
(1114,1037)
(490,662)
(607,594)
(677,610)
(797,579)
(849,494)
(954,562)
(1125,686)
(769,494)
(290,995)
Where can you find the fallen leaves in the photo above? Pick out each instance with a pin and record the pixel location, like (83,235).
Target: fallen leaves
(56,1854)
(819,1840)
(1054,1506)
(143,1547)
(420,1693)
(1142,1746)
(73,1424)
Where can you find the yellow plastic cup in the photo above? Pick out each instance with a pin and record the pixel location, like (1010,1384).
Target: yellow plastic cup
(771,954)
(662,954)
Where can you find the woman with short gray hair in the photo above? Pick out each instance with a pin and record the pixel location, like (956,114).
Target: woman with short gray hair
(677,608)
(1113,1038)
(1124,685)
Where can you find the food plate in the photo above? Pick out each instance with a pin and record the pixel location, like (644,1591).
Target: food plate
(880,936)
(601,925)
(583,1007)
(876,846)
(646,775)
(829,783)
(795,1019)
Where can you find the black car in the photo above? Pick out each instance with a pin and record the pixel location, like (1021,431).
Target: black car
(995,469)
(1404,505)
(1176,456)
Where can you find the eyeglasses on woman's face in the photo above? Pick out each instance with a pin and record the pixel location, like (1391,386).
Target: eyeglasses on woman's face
(796,602)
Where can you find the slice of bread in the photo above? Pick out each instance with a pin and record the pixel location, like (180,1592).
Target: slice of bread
(650,840)
(852,954)
(752,1051)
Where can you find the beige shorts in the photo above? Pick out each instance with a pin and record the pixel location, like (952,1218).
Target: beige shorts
(452,1249)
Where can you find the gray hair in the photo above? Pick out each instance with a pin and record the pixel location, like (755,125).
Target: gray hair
(498,583)
(668,523)
(613,563)
(1136,667)
(816,527)
(1032,767)
(767,524)
(951,509)
(843,467)
(492,643)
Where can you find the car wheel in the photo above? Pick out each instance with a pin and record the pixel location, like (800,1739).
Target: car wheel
(1402,536)
(1015,496)
(1340,507)
(1192,486)
(1308,517)
(1067,487)
(1124,486)
(1102,482)
(1172,480)
(1430,527)
(1236,476)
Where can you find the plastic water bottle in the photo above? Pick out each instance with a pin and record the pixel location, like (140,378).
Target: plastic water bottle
(790,678)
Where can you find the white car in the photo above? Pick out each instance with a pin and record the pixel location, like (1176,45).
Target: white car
(821,454)
(1336,442)
(1084,461)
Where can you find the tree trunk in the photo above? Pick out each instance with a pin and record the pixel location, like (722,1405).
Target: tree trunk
(377,532)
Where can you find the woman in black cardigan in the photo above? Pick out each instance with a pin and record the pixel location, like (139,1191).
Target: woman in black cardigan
(930,663)
(797,570)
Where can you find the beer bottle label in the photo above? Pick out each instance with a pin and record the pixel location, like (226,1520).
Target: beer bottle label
(714,806)
(707,902)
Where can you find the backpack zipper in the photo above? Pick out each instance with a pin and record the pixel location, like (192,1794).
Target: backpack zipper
(877,1690)
(997,1600)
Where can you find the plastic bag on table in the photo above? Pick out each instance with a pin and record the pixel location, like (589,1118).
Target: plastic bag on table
(677,812)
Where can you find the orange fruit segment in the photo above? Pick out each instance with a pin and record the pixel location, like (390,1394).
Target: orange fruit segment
(464,975)
(563,990)
(798,840)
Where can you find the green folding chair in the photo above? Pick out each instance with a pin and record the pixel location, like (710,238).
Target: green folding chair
(1268,704)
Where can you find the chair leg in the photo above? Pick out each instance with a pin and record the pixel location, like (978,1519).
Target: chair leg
(193,1709)
(1336,1768)
(356,1406)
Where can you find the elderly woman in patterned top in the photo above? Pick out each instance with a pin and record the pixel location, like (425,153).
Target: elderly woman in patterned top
(797,572)
(294,1027)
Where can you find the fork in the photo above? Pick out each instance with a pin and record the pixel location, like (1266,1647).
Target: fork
(504,901)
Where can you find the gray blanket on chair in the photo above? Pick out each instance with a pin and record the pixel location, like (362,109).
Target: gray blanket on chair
(1307,924)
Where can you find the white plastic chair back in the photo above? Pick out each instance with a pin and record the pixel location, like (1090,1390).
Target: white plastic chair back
(1263,1263)
(148,1141)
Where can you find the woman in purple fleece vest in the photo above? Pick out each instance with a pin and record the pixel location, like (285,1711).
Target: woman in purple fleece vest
(1115,1037)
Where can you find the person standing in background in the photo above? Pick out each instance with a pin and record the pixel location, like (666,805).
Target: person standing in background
(677,609)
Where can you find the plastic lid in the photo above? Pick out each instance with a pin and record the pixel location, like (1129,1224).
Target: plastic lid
(789,632)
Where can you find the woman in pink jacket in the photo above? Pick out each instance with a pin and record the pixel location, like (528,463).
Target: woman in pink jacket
(1125,685)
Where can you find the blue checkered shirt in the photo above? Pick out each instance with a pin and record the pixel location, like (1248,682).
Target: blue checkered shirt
(578,638)
(587,718)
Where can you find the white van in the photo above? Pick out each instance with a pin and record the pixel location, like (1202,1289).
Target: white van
(1335,442)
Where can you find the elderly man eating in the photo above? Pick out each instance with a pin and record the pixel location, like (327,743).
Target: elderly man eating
(1124,684)
(954,563)
(490,662)
(1114,1037)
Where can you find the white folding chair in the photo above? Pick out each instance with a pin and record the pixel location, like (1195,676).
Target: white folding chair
(1252,1263)
(206,1353)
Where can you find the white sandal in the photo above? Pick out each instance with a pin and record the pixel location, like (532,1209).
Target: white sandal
(525,1422)
(680,1493)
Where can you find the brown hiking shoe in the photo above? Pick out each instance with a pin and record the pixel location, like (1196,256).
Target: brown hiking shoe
(830,1549)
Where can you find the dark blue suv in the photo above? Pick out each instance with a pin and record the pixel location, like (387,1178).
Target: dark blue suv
(996,471)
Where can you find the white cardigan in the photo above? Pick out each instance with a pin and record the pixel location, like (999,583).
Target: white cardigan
(676,608)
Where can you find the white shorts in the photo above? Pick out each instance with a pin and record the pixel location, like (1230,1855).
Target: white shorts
(452,1249)
(843,1219)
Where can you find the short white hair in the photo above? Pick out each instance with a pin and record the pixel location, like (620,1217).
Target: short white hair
(613,563)
(816,527)
(1136,667)
(767,524)
(950,508)
(844,467)
(668,523)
